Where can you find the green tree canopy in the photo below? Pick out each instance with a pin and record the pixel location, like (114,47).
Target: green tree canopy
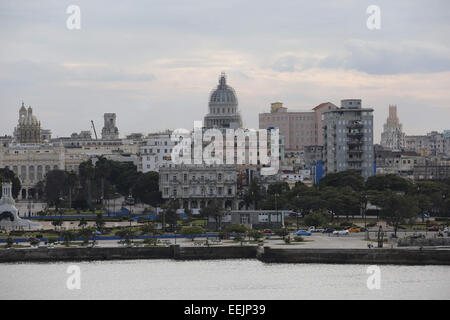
(7,175)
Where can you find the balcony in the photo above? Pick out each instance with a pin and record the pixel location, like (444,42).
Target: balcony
(354,142)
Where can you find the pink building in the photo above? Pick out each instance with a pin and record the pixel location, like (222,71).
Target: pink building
(299,128)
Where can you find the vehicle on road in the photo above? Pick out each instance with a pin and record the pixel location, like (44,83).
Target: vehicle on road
(447,230)
(267,231)
(341,232)
(314,229)
(353,229)
(328,230)
(433,228)
(303,233)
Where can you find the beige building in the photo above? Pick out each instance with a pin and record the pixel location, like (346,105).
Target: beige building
(31,162)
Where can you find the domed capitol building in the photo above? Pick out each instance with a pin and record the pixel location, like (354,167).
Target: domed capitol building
(223,107)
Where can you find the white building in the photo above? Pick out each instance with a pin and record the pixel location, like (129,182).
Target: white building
(156,151)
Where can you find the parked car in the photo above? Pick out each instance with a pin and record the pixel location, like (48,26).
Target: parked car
(353,229)
(267,231)
(433,228)
(447,230)
(341,232)
(328,230)
(303,233)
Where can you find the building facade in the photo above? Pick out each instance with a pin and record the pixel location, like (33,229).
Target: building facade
(392,137)
(195,186)
(348,138)
(431,144)
(156,151)
(299,128)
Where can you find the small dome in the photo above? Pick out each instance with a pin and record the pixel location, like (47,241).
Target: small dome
(223,94)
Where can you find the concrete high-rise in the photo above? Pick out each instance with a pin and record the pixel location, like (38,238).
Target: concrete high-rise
(348,138)
(392,137)
(299,128)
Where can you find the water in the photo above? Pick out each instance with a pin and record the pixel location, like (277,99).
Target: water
(220,279)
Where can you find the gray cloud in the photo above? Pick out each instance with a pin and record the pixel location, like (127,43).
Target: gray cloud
(388,58)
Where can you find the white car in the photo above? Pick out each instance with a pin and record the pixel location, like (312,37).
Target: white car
(341,232)
(446,230)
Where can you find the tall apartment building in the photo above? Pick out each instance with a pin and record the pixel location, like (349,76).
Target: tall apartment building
(299,128)
(348,138)
(392,137)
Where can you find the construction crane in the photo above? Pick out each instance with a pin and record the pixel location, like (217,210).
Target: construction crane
(95,132)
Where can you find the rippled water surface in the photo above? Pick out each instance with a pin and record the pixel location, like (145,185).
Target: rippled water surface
(220,279)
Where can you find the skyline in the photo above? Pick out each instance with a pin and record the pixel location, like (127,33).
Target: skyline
(161,59)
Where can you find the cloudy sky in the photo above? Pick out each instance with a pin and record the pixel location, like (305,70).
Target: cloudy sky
(154,63)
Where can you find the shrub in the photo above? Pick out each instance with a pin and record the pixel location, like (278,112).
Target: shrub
(299,239)
(287,240)
(34,242)
(315,219)
(151,241)
(9,242)
(52,239)
(256,234)
(192,232)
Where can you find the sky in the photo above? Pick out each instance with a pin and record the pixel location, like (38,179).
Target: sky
(154,63)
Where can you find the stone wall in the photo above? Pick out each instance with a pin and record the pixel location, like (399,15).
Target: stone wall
(356,256)
(409,242)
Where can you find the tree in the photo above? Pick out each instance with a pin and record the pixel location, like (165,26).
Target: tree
(341,179)
(82,223)
(126,234)
(169,214)
(213,209)
(238,229)
(148,229)
(87,172)
(67,236)
(146,189)
(99,222)
(315,219)
(192,232)
(57,223)
(278,188)
(254,194)
(256,234)
(86,234)
(397,209)
(72,182)
(7,175)
(55,185)
(389,181)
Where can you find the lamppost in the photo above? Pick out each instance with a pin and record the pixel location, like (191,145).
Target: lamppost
(298,210)
(444,196)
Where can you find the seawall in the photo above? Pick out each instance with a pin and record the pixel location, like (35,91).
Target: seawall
(355,256)
(124,253)
(264,254)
